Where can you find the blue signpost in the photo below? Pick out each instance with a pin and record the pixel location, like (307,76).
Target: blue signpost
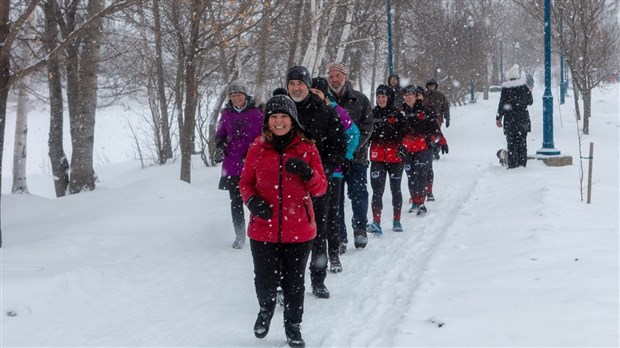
(470,25)
(389,28)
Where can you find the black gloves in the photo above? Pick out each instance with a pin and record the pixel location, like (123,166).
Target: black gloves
(444,149)
(299,167)
(259,207)
(401,152)
(447,123)
(218,154)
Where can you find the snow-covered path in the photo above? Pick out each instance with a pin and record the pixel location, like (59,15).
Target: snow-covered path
(500,259)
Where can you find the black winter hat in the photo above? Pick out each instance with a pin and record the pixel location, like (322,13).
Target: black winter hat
(387,91)
(420,90)
(320,83)
(279,91)
(410,89)
(431,82)
(299,72)
(284,104)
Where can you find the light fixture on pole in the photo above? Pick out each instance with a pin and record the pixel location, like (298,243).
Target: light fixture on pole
(470,26)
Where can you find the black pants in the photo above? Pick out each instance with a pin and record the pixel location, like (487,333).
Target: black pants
(517,150)
(236,208)
(357,181)
(378,171)
(418,166)
(322,206)
(281,264)
(333,216)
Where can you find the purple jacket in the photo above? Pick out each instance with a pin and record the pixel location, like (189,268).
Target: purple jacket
(238,129)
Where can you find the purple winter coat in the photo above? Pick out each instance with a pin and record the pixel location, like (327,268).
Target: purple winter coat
(237,130)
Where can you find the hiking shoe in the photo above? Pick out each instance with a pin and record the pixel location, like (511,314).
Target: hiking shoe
(342,248)
(334,262)
(414,208)
(261,327)
(293,336)
(375,228)
(320,290)
(421,210)
(430,197)
(360,240)
(397,227)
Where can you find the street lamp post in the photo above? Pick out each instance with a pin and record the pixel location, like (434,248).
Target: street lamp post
(501,59)
(470,25)
(548,146)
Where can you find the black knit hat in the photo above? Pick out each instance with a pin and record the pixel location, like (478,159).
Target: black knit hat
(299,72)
(387,91)
(420,90)
(320,83)
(279,91)
(431,82)
(284,104)
(410,89)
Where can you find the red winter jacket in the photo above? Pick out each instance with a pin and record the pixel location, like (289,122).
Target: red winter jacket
(264,174)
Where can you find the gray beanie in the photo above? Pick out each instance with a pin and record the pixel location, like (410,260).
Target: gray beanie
(236,87)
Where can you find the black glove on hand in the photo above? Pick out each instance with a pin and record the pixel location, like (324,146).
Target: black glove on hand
(259,207)
(218,154)
(401,152)
(444,149)
(299,167)
(447,123)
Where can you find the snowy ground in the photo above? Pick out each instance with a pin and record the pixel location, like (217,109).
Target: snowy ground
(503,258)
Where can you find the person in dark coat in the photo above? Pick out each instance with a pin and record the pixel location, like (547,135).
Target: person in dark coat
(512,109)
(239,125)
(386,158)
(321,124)
(394,83)
(282,172)
(440,104)
(355,171)
(425,132)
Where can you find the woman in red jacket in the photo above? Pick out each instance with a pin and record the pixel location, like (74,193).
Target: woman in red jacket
(282,172)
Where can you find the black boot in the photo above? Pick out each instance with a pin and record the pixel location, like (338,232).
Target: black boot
(261,327)
(361,239)
(293,335)
(320,290)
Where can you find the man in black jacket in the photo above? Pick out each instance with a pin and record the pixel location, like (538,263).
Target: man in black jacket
(355,173)
(322,124)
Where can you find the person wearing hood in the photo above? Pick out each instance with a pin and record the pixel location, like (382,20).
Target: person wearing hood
(321,89)
(282,173)
(394,83)
(386,158)
(512,109)
(321,124)
(240,123)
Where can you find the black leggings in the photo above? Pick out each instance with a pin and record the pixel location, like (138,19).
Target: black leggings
(378,171)
(281,264)
(325,213)
(517,150)
(418,166)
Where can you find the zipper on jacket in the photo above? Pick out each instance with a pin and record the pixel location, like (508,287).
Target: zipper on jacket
(281,193)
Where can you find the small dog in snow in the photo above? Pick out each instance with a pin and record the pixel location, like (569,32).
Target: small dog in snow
(502,154)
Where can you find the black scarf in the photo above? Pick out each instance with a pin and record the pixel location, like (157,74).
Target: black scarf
(280,142)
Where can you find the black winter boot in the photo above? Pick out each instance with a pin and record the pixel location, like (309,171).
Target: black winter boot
(261,327)
(360,239)
(293,335)
(320,290)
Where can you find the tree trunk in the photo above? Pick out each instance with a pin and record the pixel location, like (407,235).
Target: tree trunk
(295,49)
(261,93)
(325,36)
(58,158)
(161,89)
(191,94)
(20,184)
(83,129)
(346,31)
(311,49)
(5,64)
(587,110)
